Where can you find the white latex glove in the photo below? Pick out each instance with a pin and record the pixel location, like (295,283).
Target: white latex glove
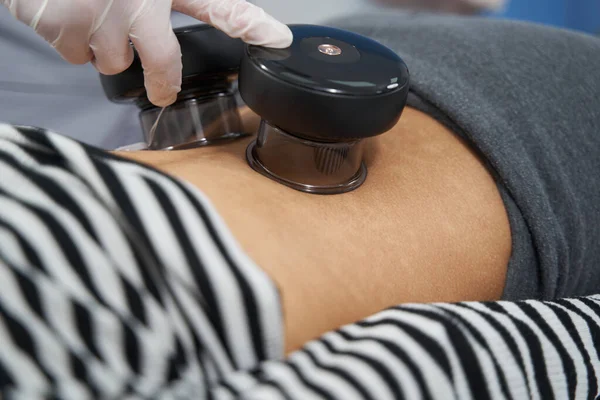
(99,31)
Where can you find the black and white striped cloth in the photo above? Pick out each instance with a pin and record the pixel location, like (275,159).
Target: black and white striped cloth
(119,282)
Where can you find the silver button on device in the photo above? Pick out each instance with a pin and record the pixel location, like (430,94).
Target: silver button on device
(330,50)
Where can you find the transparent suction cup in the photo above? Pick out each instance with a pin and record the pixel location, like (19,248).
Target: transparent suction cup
(195,122)
(306,165)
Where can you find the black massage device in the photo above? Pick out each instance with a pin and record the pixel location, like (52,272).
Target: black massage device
(206,110)
(319,99)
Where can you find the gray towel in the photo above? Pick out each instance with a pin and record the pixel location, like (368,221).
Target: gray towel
(527,97)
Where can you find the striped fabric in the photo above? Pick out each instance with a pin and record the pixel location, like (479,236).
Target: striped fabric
(117,281)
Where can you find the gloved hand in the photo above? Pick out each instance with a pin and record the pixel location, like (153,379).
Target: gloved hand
(99,31)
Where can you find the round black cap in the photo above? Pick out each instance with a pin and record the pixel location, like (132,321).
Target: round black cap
(206,52)
(330,84)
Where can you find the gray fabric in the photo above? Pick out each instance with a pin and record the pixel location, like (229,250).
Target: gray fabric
(528,99)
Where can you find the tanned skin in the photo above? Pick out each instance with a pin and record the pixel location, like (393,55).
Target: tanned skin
(428,225)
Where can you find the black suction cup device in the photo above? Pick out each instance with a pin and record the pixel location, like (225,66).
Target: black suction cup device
(206,110)
(319,99)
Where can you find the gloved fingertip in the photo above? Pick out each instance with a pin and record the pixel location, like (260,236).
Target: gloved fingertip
(270,33)
(76,57)
(165,99)
(281,38)
(112,66)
